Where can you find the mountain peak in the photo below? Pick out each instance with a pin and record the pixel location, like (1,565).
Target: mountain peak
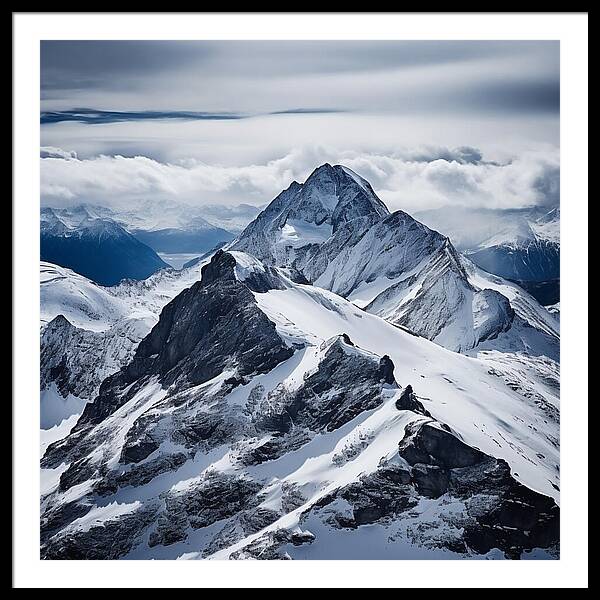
(310,213)
(342,174)
(322,169)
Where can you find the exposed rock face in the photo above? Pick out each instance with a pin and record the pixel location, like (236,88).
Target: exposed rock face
(386,369)
(336,232)
(271,545)
(497,511)
(275,446)
(212,327)
(375,496)
(106,541)
(431,445)
(78,360)
(245,523)
(515,518)
(212,499)
(221,440)
(140,474)
(346,383)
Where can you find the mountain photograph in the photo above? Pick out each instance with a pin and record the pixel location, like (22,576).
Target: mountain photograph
(299,301)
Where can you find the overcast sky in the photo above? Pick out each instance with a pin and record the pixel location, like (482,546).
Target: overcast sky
(427,123)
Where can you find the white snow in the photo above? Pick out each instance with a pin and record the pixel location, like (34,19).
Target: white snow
(94,307)
(54,408)
(246,265)
(49,478)
(367,292)
(99,515)
(297,233)
(84,303)
(525,305)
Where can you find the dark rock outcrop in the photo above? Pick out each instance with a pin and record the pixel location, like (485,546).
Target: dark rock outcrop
(140,474)
(109,540)
(430,480)
(214,498)
(346,383)
(383,493)
(271,545)
(244,524)
(425,443)
(514,519)
(210,327)
(498,512)
(277,445)
(408,401)
(386,369)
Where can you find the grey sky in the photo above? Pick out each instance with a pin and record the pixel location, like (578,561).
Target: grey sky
(235,106)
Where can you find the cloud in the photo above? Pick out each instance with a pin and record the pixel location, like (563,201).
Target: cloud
(94,117)
(53,152)
(92,63)
(262,77)
(526,180)
(409,179)
(547,185)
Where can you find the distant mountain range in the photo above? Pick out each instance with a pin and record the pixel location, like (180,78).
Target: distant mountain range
(522,245)
(108,245)
(94,246)
(171,227)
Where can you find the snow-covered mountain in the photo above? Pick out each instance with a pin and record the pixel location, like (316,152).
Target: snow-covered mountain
(231,218)
(93,330)
(166,227)
(298,395)
(263,418)
(334,231)
(94,246)
(172,227)
(305,215)
(522,245)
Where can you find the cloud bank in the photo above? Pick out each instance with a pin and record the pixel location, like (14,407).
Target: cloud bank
(411,179)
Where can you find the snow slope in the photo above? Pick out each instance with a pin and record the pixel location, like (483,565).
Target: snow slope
(253,459)
(83,302)
(522,245)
